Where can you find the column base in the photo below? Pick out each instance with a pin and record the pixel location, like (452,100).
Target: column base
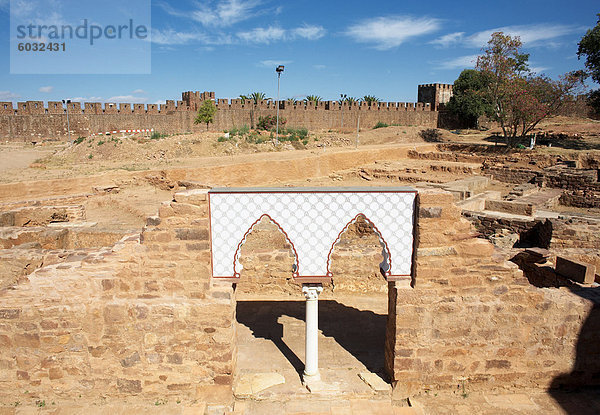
(314,384)
(310,378)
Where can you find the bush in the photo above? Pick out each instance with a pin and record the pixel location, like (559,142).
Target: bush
(431,135)
(79,140)
(294,134)
(269,122)
(380,125)
(239,132)
(157,136)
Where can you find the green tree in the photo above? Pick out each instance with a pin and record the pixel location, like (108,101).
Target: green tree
(313,99)
(254,98)
(518,100)
(206,113)
(370,99)
(589,46)
(350,100)
(467,101)
(501,63)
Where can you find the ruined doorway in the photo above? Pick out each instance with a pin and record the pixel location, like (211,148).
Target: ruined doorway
(270,315)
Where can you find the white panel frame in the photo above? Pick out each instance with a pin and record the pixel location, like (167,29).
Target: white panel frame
(312,219)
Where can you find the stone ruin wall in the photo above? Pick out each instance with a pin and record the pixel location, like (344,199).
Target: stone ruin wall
(267,261)
(581,186)
(33,121)
(473,319)
(144,320)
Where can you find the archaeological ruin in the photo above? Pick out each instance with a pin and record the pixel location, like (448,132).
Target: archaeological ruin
(473,278)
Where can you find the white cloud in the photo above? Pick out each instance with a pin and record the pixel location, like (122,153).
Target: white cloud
(46,89)
(272,62)
(138,91)
(389,32)
(220,13)
(449,39)
(86,99)
(309,32)
(468,61)
(531,35)
(172,37)
(262,35)
(127,98)
(275,33)
(160,102)
(7,95)
(538,69)
(319,66)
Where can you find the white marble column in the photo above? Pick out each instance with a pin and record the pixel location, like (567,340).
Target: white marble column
(311,362)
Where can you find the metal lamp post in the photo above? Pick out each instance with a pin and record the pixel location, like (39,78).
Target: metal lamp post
(279,70)
(67,102)
(342,99)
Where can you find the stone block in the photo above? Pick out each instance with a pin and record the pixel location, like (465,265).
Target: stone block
(129,386)
(576,271)
(193,234)
(153,221)
(193,197)
(513,208)
(430,212)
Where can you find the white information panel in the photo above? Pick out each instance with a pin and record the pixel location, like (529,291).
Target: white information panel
(312,220)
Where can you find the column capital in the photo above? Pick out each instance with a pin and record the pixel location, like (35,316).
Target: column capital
(312,291)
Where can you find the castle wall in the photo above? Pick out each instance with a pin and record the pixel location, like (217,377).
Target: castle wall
(31,121)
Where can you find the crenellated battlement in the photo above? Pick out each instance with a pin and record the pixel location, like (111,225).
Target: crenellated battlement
(191,101)
(35,120)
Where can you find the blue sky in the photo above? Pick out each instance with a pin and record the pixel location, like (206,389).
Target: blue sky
(354,47)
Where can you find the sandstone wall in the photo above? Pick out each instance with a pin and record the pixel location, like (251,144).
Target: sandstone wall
(26,125)
(267,261)
(145,320)
(472,319)
(140,321)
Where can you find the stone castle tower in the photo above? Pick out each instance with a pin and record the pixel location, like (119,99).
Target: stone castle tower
(434,94)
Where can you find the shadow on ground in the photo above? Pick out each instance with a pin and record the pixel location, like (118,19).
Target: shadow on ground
(360,332)
(585,377)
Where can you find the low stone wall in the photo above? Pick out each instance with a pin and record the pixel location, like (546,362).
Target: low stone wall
(581,198)
(41,215)
(473,321)
(510,174)
(515,208)
(142,320)
(563,232)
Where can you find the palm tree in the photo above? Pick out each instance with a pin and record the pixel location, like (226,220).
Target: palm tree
(255,98)
(350,100)
(313,99)
(370,99)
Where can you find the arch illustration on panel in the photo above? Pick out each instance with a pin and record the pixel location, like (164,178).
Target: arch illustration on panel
(236,258)
(385,266)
